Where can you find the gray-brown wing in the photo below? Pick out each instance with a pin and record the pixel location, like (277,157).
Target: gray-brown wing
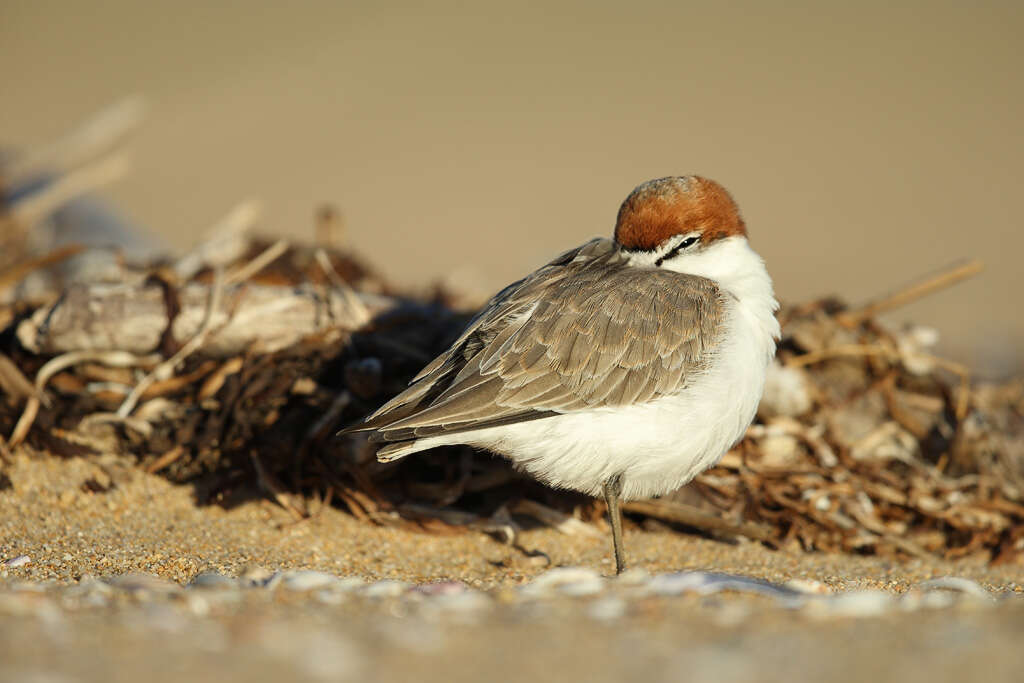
(505,306)
(601,336)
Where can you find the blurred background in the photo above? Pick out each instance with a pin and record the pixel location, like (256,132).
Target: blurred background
(866,144)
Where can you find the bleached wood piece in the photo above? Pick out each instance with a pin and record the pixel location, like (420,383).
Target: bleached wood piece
(133,318)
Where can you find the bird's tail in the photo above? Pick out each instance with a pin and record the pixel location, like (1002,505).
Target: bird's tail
(397,450)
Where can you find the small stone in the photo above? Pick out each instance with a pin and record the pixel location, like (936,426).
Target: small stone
(914,600)
(140,583)
(575,581)
(307,580)
(466,602)
(213,580)
(387,588)
(441,588)
(17,561)
(633,577)
(958,585)
(348,584)
(808,586)
(863,603)
(709,583)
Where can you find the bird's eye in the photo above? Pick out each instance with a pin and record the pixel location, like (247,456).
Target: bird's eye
(688,242)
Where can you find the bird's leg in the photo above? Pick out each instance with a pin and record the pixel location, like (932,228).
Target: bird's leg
(612,491)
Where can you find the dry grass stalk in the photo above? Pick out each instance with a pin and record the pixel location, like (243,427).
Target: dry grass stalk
(225,242)
(90,138)
(68,186)
(165,459)
(272,253)
(947,277)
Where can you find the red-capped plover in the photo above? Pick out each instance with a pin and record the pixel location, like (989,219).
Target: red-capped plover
(624,367)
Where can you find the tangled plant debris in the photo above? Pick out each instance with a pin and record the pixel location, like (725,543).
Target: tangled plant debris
(233,366)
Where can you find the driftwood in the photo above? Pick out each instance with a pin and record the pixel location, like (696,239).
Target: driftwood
(100,317)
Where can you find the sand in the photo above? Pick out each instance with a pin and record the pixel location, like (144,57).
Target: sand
(141,523)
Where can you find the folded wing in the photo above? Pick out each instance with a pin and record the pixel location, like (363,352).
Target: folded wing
(580,333)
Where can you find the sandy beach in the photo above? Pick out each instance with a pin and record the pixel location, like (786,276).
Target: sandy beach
(101,597)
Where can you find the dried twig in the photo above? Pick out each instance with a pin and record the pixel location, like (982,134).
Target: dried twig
(671,511)
(24,424)
(80,181)
(15,384)
(264,259)
(215,381)
(360,314)
(273,486)
(166,459)
(55,365)
(100,132)
(946,278)
(225,243)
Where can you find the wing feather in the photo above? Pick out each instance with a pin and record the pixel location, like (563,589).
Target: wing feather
(582,332)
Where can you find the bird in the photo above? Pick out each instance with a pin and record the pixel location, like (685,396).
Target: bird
(622,368)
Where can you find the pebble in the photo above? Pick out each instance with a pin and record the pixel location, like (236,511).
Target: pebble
(441,588)
(142,584)
(17,561)
(602,599)
(708,583)
(306,580)
(213,581)
(466,603)
(387,588)
(915,600)
(808,586)
(957,584)
(633,577)
(574,581)
(862,603)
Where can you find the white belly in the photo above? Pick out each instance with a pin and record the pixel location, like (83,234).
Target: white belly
(656,446)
